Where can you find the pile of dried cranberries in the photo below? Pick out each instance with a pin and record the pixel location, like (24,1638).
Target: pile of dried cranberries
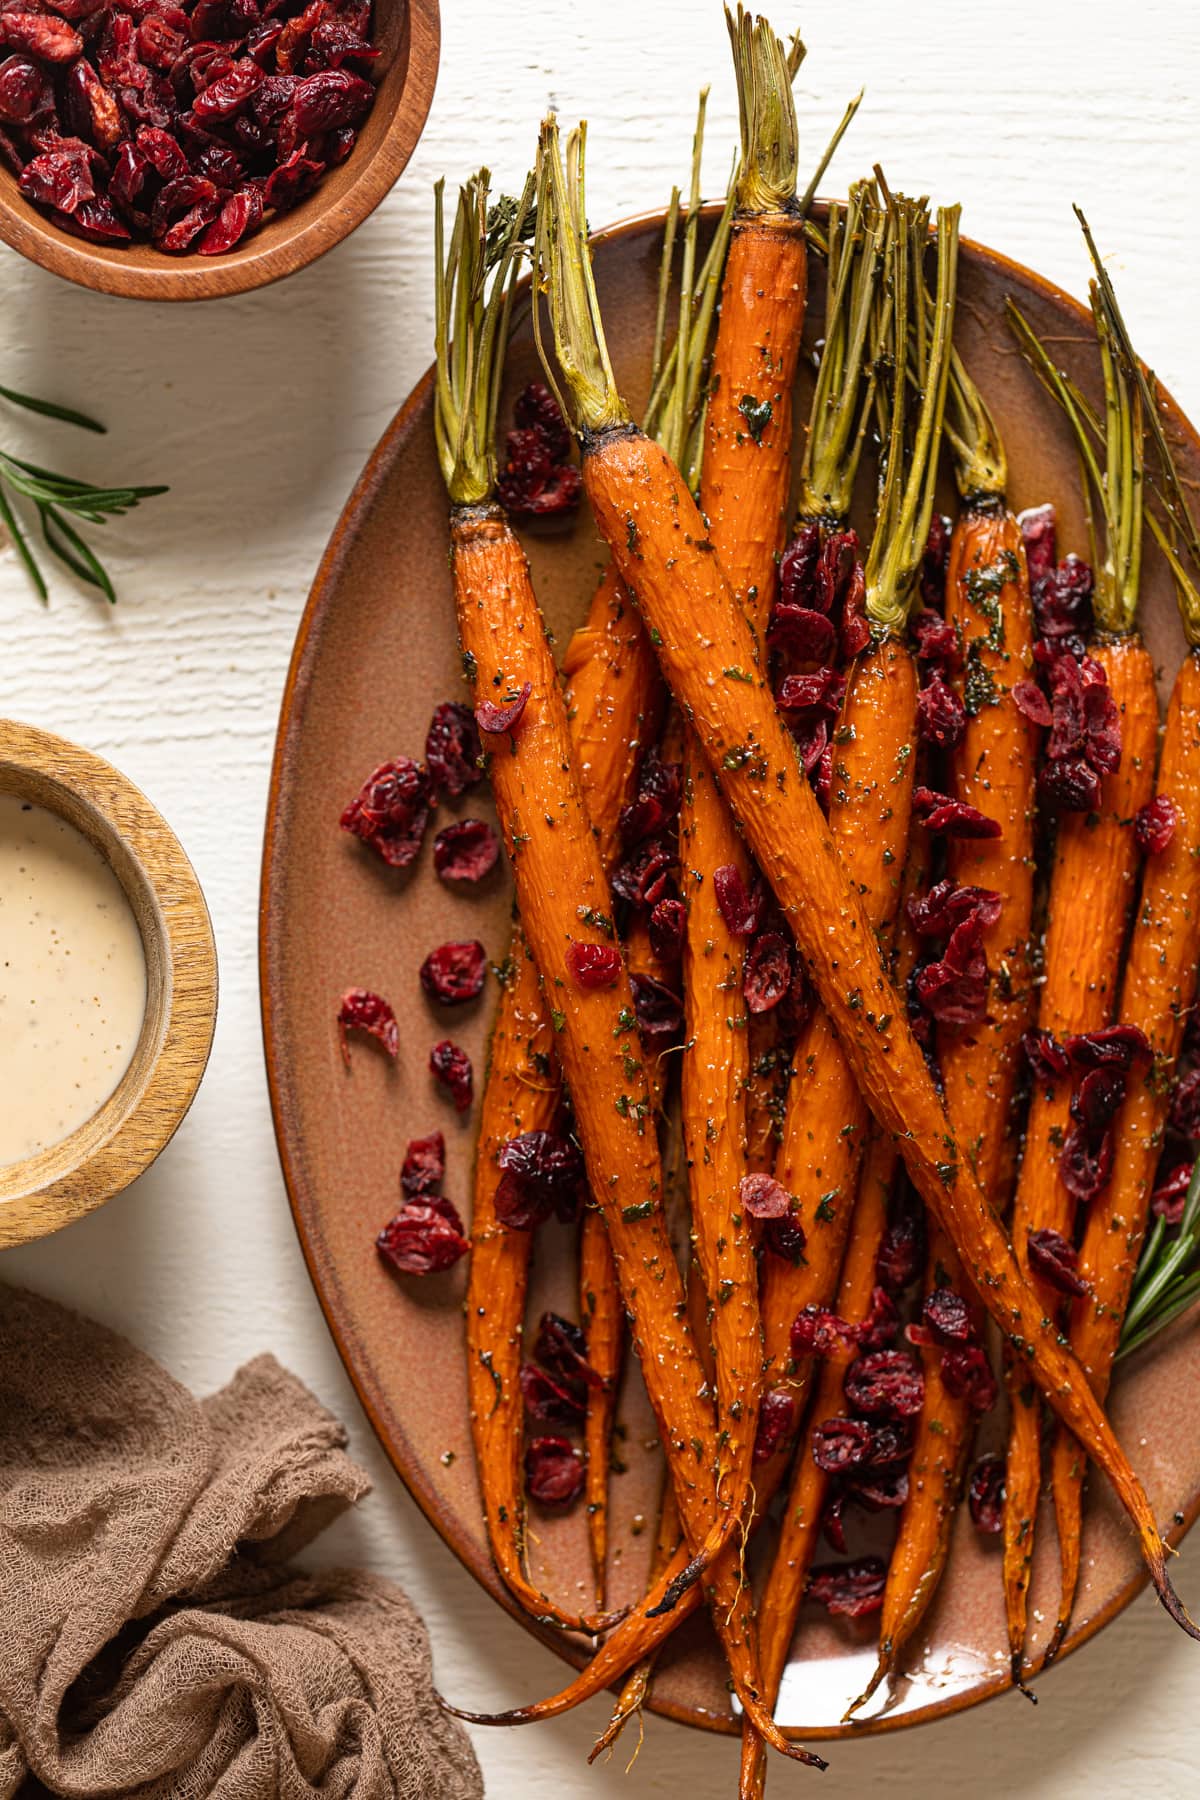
(179,125)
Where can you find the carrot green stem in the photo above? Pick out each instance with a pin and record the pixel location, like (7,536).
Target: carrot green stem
(1168,1281)
(471,317)
(765,67)
(980,465)
(924,336)
(838,420)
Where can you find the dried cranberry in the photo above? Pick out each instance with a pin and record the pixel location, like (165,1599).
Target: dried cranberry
(656,804)
(798,567)
(541,1173)
(667,929)
(553,1471)
(421,1240)
(1056,1261)
(159,43)
(833,1521)
(841,1443)
(891,1443)
(424,1166)
(361,1010)
(1170,1196)
(506,716)
(954,990)
(803,632)
(452,1067)
(966,1375)
(785,1238)
(767,972)
(531,485)
(594,965)
(659,1012)
(163,152)
(776,1422)
(466,850)
(941,715)
(1040,538)
(643,878)
(763,1197)
(822,691)
(99,222)
(178,205)
(945,906)
(935,558)
(58,178)
(1154,825)
(1098,1097)
(886,1383)
(741,911)
(536,409)
(453,973)
(884,1492)
(985,1495)
(225,97)
(1062,607)
(1112,1047)
(810,733)
(40,34)
(947,1315)
(818,1332)
(878,1328)
(452,750)
(901,1253)
(1029,700)
(25,93)
(837,566)
(1185,1106)
(546,1402)
(391,811)
(850,1590)
(797,1005)
(939,646)
(561,1346)
(292,181)
(330,98)
(1048,1060)
(241,214)
(953,818)
(1085,1163)
(855,634)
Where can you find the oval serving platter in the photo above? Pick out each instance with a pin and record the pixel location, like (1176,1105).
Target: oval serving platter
(375,652)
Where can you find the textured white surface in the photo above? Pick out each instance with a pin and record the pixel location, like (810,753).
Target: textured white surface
(260,412)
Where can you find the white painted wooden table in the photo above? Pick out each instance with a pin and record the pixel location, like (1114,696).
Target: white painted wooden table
(260,413)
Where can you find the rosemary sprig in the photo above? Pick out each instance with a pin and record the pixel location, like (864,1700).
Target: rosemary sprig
(58,500)
(1168,1276)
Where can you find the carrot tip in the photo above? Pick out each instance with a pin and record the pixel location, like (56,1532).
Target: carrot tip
(882,1667)
(1055,1644)
(1170,1599)
(679,1587)
(1018,1678)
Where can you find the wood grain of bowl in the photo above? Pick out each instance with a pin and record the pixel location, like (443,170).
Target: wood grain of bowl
(408,32)
(121,1140)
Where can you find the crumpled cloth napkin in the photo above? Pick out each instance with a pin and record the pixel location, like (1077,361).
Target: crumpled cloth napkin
(154,1639)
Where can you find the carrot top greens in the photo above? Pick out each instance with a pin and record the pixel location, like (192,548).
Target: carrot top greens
(918,344)
(838,421)
(471,319)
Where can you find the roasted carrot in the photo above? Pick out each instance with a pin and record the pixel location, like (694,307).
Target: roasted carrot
(563,898)
(826,1117)
(1093,885)
(658,539)
(1158,991)
(800,1522)
(992,769)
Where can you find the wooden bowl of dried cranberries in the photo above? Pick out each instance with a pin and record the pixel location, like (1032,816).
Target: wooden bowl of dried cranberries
(187,149)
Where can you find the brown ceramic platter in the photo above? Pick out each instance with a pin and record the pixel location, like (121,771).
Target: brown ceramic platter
(375,652)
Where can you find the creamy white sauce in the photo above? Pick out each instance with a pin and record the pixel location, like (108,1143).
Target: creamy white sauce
(72,979)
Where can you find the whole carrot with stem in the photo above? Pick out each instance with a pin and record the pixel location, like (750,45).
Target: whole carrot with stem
(1159,984)
(657,537)
(562,895)
(992,769)
(1093,885)
(599,659)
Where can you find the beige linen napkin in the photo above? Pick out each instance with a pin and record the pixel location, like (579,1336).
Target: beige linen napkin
(154,1639)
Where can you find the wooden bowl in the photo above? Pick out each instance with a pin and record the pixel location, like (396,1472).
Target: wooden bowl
(409,34)
(122,1139)
(375,651)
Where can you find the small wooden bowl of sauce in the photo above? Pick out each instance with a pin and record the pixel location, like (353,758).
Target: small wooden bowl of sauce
(108,982)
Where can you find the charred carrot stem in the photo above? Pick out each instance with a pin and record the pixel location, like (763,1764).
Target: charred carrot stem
(658,540)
